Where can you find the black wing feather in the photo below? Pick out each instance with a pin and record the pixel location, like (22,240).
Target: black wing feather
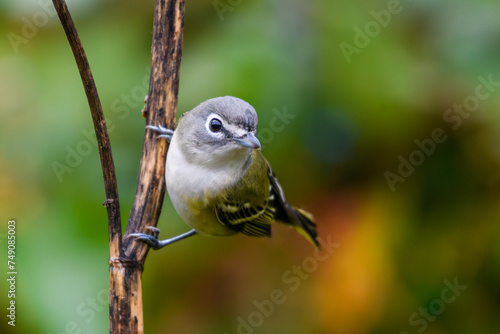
(285,213)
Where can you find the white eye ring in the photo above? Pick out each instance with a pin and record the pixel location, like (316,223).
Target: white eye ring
(209,125)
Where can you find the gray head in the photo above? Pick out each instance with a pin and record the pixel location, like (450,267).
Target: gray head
(219,129)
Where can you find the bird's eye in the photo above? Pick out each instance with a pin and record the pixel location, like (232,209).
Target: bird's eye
(215,125)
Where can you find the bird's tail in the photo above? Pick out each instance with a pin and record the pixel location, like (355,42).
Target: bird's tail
(305,225)
(302,221)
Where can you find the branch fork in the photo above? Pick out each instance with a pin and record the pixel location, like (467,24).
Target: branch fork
(126,258)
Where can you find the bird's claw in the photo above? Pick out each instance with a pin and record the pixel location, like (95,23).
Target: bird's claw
(164,132)
(156,231)
(154,242)
(151,240)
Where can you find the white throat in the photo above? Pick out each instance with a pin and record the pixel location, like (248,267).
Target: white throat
(198,179)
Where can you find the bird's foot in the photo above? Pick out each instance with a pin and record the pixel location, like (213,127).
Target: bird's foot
(154,242)
(164,132)
(151,240)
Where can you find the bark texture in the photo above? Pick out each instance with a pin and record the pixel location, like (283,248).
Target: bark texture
(126,256)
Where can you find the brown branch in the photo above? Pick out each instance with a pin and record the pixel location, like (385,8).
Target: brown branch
(125,280)
(126,264)
(125,277)
(162,107)
(108,167)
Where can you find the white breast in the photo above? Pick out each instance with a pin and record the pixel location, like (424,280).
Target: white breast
(188,185)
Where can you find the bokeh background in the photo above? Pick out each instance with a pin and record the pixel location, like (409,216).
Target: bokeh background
(333,124)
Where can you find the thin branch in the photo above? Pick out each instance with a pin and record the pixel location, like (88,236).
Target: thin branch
(162,107)
(125,277)
(126,264)
(108,167)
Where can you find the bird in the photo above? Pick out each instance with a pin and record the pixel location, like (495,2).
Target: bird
(219,181)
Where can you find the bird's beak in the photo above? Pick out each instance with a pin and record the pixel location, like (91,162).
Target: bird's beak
(249,140)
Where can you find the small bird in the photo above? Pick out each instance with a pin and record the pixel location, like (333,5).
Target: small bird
(219,181)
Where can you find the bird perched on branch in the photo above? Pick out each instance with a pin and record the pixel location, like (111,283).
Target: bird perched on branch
(219,181)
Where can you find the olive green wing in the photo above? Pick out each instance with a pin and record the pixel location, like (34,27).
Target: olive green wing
(244,208)
(254,221)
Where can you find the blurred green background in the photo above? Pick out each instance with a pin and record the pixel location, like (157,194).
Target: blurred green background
(342,99)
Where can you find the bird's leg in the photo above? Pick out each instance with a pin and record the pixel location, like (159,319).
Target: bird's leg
(153,241)
(164,132)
